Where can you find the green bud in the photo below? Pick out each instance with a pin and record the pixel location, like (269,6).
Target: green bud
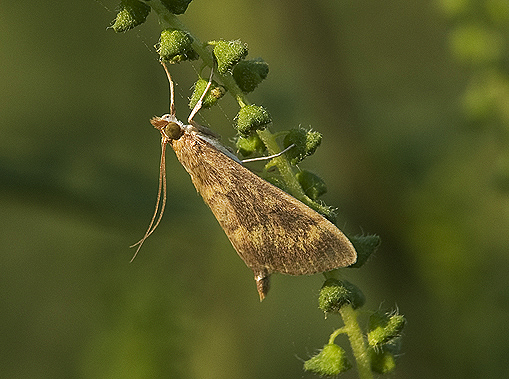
(330,361)
(214,93)
(250,145)
(176,6)
(306,142)
(175,46)
(382,361)
(251,118)
(248,74)
(336,293)
(384,327)
(228,53)
(365,246)
(312,184)
(131,13)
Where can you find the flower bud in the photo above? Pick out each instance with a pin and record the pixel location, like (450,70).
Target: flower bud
(337,293)
(214,93)
(306,142)
(131,13)
(382,362)
(365,246)
(330,361)
(250,145)
(251,118)
(175,46)
(312,184)
(228,53)
(384,327)
(248,74)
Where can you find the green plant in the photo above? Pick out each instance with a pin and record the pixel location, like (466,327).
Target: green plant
(238,76)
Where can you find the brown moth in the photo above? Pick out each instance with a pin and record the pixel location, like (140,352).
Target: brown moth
(270,230)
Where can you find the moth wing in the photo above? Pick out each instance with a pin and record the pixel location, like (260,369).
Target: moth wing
(271,230)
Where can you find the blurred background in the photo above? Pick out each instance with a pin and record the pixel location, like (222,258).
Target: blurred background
(412,99)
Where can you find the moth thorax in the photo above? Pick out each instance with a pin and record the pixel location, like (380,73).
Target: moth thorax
(173,130)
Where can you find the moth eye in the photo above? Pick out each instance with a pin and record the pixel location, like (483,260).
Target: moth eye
(172,130)
(165,117)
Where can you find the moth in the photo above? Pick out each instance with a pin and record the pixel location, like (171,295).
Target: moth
(270,230)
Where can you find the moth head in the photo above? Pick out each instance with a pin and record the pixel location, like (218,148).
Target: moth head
(171,129)
(168,125)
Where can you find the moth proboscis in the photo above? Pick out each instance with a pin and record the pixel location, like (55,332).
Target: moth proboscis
(270,230)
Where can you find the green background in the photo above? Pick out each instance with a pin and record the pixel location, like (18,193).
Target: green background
(412,99)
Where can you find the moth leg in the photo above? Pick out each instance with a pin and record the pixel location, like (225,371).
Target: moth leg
(262,279)
(198,105)
(269,157)
(172,89)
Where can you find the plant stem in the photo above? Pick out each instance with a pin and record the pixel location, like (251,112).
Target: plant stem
(336,333)
(285,169)
(169,20)
(357,342)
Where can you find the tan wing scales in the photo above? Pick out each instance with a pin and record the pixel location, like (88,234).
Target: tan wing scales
(271,230)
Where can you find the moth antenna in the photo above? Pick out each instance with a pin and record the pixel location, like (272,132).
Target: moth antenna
(162,186)
(269,157)
(172,89)
(198,105)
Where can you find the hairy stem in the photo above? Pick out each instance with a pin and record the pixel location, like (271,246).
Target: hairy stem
(336,333)
(285,169)
(357,342)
